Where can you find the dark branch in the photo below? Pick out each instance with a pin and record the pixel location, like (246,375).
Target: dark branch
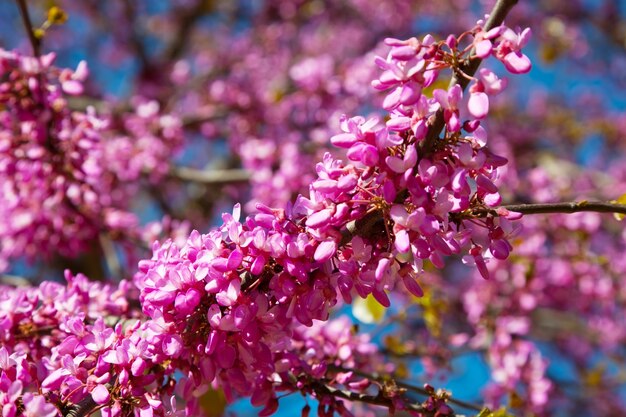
(565,207)
(323,389)
(187,20)
(28,25)
(408,387)
(221,176)
(496,17)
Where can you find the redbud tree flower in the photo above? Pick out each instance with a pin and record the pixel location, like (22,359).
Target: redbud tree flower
(392,175)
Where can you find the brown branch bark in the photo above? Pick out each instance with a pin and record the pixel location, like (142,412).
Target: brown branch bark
(323,389)
(406,386)
(565,207)
(28,25)
(210,177)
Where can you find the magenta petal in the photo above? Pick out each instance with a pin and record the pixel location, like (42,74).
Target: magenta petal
(483,48)
(370,155)
(482,266)
(72,87)
(517,63)
(172,346)
(486,184)
(410,156)
(478,105)
(399,124)
(410,94)
(325,251)
(138,366)
(234,260)
(492,199)
(395,164)
(343,140)
(454,124)
(393,99)
(382,298)
(100,394)
(499,249)
(402,241)
(403,53)
(318,218)
(382,268)
(412,286)
(54,380)
(399,214)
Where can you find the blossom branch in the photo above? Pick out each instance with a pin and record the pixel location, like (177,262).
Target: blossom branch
(324,389)
(469,68)
(382,379)
(28,25)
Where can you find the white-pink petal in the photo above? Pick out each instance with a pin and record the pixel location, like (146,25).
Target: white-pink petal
(478,105)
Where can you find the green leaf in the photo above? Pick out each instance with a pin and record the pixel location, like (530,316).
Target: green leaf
(368,310)
(213,402)
(620,200)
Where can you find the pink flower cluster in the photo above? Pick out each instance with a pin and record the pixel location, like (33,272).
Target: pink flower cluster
(51,174)
(58,354)
(66,175)
(228,307)
(227,301)
(50,335)
(143,144)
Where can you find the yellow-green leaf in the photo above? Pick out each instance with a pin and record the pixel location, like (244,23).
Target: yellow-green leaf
(620,200)
(368,310)
(56,15)
(213,402)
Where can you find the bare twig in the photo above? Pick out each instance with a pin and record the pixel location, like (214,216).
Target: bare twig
(553,208)
(14,280)
(323,389)
(188,19)
(110,256)
(406,386)
(221,176)
(135,39)
(28,25)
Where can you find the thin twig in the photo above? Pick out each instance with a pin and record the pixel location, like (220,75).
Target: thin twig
(221,176)
(135,38)
(553,208)
(34,41)
(14,280)
(111,257)
(407,386)
(187,21)
(323,389)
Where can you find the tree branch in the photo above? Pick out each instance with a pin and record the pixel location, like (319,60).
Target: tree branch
(188,19)
(370,223)
(34,41)
(135,39)
(496,17)
(324,389)
(221,176)
(552,208)
(14,280)
(406,386)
